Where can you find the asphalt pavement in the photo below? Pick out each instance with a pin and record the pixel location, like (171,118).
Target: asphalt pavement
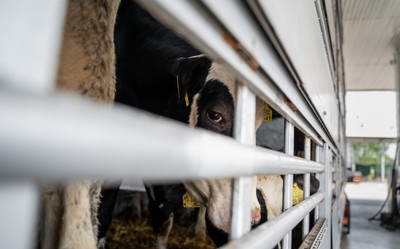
(366,198)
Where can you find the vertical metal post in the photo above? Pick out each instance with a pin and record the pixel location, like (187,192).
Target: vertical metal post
(397,86)
(31,32)
(243,187)
(307,156)
(18,212)
(383,162)
(325,208)
(317,159)
(288,181)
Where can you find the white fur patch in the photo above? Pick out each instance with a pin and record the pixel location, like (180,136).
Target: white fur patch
(194,115)
(216,72)
(220,199)
(271,187)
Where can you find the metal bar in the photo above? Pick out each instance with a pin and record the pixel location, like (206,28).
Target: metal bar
(30,66)
(326,186)
(84,140)
(259,9)
(270,233)
(397,88)
(327,41)
(244,132)
(19,202)
(191,20)
(317,159)
(313,240)
(307,156)
(31,33)
(288,181)
(382,162)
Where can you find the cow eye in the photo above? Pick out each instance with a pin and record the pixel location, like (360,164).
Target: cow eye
(214,117)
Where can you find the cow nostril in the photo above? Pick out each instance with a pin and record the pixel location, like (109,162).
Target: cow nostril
(255,216)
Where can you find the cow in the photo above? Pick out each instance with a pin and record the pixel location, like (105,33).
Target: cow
(144,61)
(161,73)
(272,136)
(86,67)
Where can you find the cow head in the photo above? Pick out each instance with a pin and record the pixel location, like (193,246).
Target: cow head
(211,92)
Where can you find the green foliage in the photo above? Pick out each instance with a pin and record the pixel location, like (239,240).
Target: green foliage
(369,154)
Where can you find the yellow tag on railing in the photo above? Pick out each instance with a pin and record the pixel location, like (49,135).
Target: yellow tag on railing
(189,201)
(298,194)
(267,113)
(187,100)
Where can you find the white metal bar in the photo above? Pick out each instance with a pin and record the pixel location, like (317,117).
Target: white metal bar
(317,233)
(397,88)
(241,208)
(278,19)
(30,40)
(307,156)
(244,132)
(270,233)
(259,9)
(317,159)
(244,125)
(191,20)
(327,41)
(288,181)
(19,202)
(382,162)
(326,186)
(83,140)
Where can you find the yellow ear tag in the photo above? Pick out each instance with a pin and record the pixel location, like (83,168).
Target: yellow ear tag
(179,93)
(267,113)
(189,201)
(298,194)
(187,100)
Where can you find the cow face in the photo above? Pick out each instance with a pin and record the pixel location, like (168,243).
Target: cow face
(212,108)
(215,108)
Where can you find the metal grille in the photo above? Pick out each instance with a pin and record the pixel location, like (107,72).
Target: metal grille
(248,49)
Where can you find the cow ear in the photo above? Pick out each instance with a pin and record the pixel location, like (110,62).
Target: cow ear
(191,73)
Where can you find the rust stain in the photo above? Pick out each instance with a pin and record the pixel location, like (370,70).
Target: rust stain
(290,104)
(235,44)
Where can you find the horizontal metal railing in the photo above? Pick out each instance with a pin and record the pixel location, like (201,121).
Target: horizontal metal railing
(61,137)
(196,23)
(269,234)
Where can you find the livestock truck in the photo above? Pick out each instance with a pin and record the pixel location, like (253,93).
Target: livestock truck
(286,53)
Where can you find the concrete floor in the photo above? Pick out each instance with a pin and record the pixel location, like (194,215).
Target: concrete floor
(365,202)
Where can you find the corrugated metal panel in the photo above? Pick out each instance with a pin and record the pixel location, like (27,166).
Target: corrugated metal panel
(298,28)
(371,34)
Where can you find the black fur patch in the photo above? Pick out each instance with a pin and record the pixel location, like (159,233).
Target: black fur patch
(216,93)
(263,206)
(218,236)
(145,55)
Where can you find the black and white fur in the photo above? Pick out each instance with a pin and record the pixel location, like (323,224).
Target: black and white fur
(155,70)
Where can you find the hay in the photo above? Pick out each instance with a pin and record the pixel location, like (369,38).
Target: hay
(138,234)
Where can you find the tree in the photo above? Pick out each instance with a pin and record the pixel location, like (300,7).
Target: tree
(369,155)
